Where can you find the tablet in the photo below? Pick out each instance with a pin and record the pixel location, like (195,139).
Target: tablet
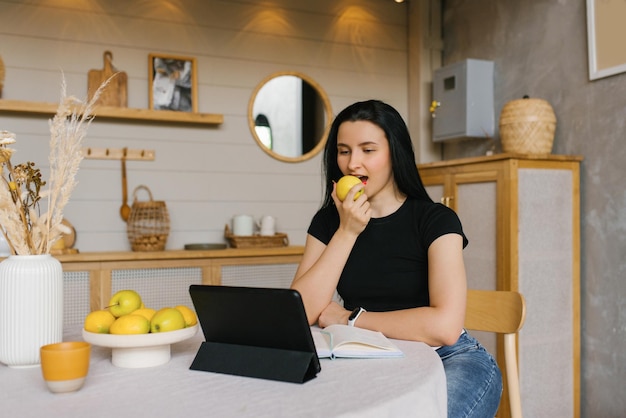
(254,332)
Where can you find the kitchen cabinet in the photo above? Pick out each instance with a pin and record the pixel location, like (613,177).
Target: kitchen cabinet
(163,278)
(521,215)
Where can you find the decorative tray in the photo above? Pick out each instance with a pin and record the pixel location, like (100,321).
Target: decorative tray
(256,241)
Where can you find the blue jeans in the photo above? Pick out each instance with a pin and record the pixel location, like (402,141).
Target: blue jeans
(473,379)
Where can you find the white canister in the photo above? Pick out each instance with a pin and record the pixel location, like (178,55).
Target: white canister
(243,225)
(25,327)
(267,225)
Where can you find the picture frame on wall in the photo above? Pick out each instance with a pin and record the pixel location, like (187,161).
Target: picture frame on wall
(605,37)
(172,83)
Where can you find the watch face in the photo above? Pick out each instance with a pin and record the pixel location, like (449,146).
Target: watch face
(354,314)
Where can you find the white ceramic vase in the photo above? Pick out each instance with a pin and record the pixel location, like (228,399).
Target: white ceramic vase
(31,307)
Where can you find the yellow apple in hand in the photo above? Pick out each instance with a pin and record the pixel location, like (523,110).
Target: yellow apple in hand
(99,321)
(130,324)
(345,184)
(124,302)
(167,319)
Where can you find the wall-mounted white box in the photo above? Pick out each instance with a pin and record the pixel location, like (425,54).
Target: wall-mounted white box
(464,94)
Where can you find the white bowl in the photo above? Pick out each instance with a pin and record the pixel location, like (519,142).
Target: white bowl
(140,350)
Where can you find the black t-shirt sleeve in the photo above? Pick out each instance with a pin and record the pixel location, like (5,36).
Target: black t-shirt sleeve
(324,224)
(440,220)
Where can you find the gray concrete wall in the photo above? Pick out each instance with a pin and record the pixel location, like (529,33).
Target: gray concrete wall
(540,49)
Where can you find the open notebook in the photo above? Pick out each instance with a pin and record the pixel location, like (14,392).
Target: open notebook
(337,341)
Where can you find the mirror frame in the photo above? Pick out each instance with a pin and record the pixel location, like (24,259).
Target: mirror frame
(327,110)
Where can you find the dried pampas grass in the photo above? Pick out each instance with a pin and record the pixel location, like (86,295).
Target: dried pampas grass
(27,232)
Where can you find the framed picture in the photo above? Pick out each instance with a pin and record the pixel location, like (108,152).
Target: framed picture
(605,37)
(173,83)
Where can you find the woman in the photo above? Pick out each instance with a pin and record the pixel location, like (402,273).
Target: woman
(393,255)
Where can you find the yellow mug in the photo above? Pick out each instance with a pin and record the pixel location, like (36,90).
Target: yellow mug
(65,365)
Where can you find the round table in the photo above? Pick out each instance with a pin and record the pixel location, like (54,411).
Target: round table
(411,386)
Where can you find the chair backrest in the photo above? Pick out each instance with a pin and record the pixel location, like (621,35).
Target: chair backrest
(495,311)
(502,312)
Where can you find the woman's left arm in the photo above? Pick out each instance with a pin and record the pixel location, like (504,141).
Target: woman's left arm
(441,322)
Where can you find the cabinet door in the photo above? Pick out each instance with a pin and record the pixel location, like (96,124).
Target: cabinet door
(475,200)
(521,217)
(549,280)
(473,196)
(476,204)
(259,275)
(450,89)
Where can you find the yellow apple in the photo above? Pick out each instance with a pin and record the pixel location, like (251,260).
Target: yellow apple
(167,319)
(148,313)
(99,321)
(130,324)
(190,316)
(345,184)
(124,302)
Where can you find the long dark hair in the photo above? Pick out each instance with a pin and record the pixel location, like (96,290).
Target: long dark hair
(403,163)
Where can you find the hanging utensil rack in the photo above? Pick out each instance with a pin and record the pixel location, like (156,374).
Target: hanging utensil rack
(118,153)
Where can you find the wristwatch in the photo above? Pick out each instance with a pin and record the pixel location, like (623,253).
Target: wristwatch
(355,315)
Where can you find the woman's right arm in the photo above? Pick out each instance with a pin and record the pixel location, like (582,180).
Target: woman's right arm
(318,273)
(321,266)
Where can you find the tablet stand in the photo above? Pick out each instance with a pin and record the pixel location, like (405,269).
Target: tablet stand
(260,362)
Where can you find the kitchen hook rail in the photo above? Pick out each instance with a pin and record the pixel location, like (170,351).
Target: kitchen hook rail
(118,154)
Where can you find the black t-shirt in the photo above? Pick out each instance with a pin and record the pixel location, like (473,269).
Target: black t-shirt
(388,266)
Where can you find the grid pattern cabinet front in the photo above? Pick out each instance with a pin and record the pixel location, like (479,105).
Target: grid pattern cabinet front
(163,278)
(521,215)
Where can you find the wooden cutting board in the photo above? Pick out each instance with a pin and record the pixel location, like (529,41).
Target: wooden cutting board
(114,94)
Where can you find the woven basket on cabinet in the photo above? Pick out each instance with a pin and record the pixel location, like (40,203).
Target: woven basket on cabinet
(148,224)
(256,241)
(527,126)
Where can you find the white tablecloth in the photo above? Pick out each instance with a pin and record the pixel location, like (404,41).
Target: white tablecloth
(412,386)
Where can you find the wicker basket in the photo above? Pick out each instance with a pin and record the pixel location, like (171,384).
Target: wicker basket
(527,126)
(148,224)
(255,241)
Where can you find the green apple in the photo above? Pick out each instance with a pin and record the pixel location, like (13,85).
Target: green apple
(167,319)
(124,302)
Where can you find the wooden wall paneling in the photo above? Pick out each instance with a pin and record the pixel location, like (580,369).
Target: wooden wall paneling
(205,175)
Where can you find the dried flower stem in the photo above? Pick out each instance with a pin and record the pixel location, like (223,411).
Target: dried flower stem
(26,231)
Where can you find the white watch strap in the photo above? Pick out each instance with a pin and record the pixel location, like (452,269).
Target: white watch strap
(352,321)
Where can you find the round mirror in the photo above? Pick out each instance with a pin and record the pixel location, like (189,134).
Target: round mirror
(289,116)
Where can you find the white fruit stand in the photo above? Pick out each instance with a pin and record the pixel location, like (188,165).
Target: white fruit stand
(140,350)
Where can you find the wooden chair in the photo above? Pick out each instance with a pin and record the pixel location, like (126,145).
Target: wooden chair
(501,312)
